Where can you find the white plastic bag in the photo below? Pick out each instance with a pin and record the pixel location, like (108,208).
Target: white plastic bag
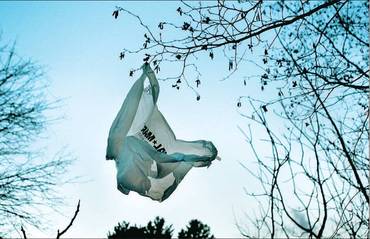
(149,158)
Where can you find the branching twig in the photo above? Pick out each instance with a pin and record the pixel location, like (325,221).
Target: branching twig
(59,234)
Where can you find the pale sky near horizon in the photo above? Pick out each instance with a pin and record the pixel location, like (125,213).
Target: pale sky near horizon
(79,44)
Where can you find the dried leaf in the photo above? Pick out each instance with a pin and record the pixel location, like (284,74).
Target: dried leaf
(115,14)
(211,55)
(121,55)
(264,107)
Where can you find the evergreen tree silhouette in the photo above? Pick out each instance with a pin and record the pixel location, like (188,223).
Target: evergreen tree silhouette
(154,229)
(196,229)
(157,229)
(124,230)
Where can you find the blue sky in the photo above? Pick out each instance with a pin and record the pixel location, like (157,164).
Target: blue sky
(79,43)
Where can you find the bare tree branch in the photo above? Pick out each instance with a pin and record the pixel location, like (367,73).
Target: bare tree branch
(27,182)
(59,234)
(313,70)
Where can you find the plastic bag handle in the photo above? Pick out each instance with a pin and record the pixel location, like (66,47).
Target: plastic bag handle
(147,71)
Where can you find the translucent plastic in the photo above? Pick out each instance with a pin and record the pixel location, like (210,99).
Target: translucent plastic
(149,159)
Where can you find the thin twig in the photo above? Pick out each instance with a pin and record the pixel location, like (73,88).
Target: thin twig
(24,233)
(70,223)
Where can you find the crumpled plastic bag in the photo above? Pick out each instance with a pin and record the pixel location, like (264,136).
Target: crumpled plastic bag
(149,159)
